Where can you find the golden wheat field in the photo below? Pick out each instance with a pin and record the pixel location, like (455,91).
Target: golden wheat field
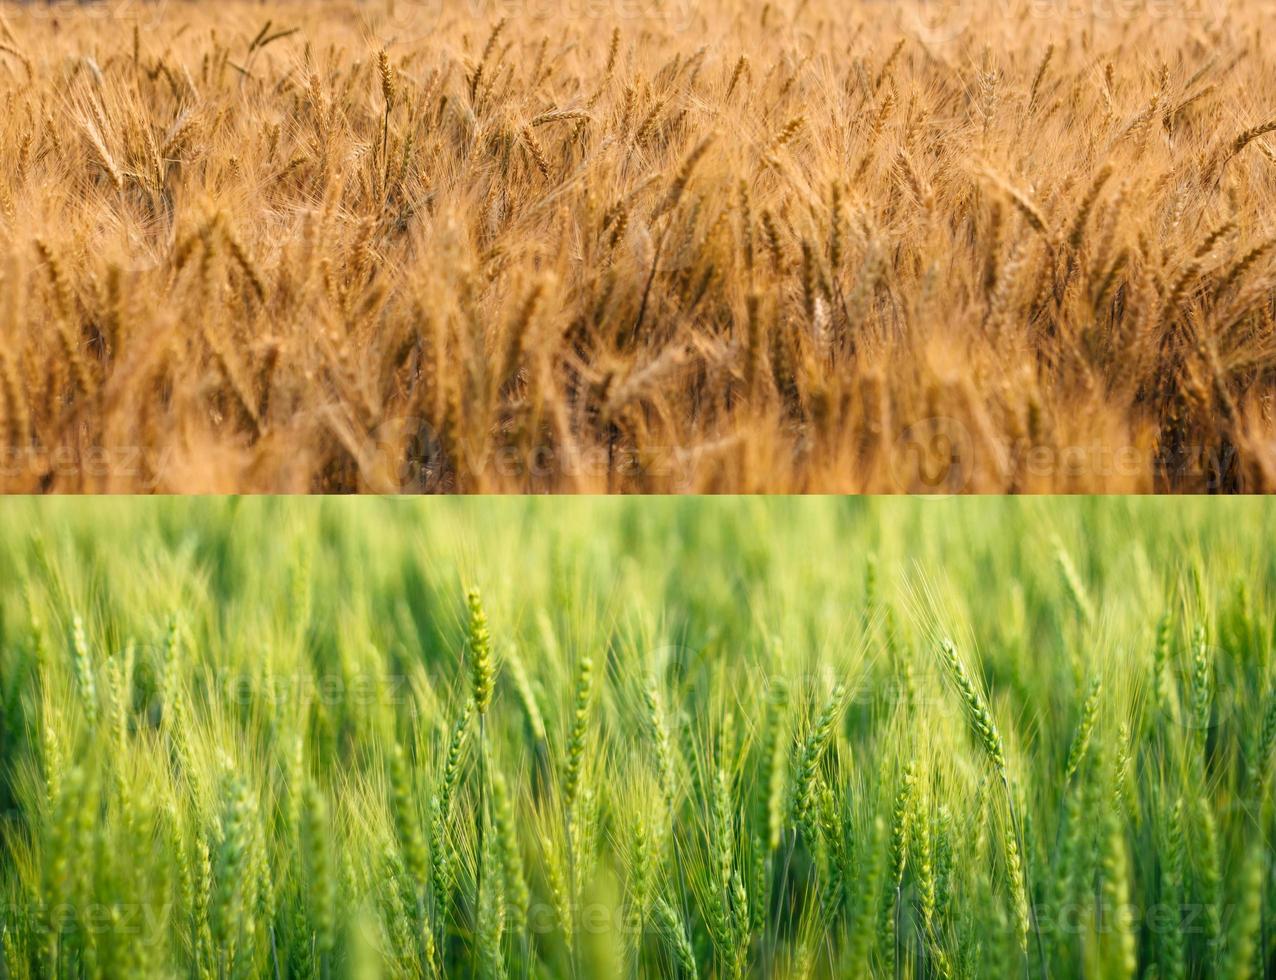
(638,245)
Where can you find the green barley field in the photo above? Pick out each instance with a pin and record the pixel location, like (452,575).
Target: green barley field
(669,738)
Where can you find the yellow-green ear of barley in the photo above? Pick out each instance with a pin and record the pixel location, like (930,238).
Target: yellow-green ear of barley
(901,824)
(1081,741)
(322,883)
(84,677)
(406,823)
(579,729)
(481,666)
(1247,917)
(660,738)
(977,712)
(1014,880)
(673,929)
(923,860)
(1202,686)
(813,751)
(517,896)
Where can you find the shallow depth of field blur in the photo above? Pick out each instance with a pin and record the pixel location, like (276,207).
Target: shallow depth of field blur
(637,245)
(559,738)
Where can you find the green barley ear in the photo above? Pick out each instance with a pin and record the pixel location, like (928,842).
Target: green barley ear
(319,872)
(977,712)
(1076,588)
(175,840)
(1247,919)
(230,910)
(82,665)
(660,739)
(985,729)
(1161,664)
(1015,882)
(482,670)
(1172,940)
(901,823)
(759,884)
(442,871)
(1202,686)
(579,730)
(775,748)
(295,788)
(526,694)
(1197,572)
(1125,800)
(455,755)
(1266,742)
(12,956)
(866,930)
(832,838)
(39,641)
(676,935)
(1119,941)
(202,897)
(872,594)
(406,824)
(52,757)
(1085,728)
(60,868)
(1210,876)
(442,851)
(813,750)
(118,672)
(170,677)
(517,898)
(556,882)
(722,858)
(924,862)
(945,856)
(640,847)
(491,914)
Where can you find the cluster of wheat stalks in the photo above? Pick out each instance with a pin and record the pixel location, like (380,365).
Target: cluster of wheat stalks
(222,763)
(657,246)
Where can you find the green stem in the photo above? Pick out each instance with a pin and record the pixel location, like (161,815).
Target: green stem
(1027,878)
(480,819)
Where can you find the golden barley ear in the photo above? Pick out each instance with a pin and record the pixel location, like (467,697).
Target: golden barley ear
(386,73)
